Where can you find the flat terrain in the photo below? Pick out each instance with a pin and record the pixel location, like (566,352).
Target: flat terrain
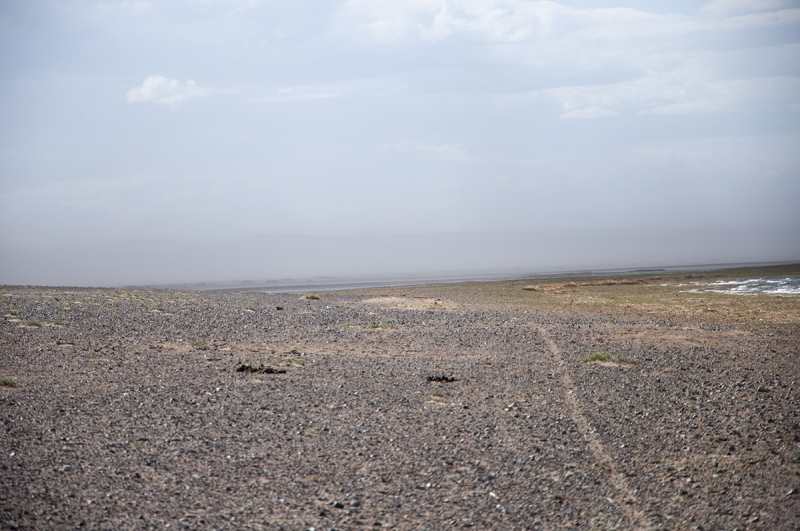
(642,403)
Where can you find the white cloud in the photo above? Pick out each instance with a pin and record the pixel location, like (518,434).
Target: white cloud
(592,111)
(545,33)
(503,20)
(734,7)
(682,68)
(158,89)
(452,152)
(689,90)
(521,20)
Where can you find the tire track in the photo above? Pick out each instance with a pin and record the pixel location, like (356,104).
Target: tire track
(630,504)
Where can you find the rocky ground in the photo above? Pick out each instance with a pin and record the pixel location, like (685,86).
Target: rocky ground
(431,407)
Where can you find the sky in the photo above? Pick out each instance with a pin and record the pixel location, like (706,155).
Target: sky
(220,120)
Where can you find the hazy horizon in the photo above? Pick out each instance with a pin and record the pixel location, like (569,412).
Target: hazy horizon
(397,258)
(217,121)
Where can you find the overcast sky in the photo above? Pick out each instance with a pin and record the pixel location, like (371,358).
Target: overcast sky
(217,120)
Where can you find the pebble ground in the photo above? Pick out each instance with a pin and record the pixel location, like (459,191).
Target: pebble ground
(425,408)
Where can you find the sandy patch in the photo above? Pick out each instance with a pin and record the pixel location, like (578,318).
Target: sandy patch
(38,324)
(609,363)
(558,288)
(413,303)
(693,337)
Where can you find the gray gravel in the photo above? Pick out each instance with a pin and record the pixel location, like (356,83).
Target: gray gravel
(130,414)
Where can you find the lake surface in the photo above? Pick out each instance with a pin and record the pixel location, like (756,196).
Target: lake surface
(776,286)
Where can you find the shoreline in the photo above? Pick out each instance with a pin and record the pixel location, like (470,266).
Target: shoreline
(366,282)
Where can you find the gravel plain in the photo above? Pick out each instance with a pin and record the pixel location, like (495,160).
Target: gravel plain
(426,407)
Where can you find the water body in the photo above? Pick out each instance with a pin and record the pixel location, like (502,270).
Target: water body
(773,286)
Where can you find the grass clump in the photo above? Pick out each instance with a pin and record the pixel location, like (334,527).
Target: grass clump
(8,382)
(310,296)
(600,523)
(313,430)
(438,396)
(598,356)
(606,356)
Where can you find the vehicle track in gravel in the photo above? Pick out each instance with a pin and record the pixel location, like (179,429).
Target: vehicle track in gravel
(626,498)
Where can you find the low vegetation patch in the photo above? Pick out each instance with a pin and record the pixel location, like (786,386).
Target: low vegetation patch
(598,356)
(8,382)
(605,282)
(313,430)
(310,296)
(600,523)
(438,396)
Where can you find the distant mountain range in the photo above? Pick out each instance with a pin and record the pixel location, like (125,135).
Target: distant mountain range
(293,260)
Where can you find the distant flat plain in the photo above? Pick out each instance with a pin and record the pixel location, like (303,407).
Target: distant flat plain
(620,402)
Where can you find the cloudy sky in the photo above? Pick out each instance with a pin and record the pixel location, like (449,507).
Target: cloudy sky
(215,120)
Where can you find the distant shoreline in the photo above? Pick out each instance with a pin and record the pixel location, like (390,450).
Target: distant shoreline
(362,282)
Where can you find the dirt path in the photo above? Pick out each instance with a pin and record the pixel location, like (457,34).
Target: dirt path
(626,498)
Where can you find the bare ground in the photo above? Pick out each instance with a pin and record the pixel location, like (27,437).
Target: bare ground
(430,407)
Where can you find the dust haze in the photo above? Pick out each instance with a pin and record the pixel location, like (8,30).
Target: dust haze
(283,262)
(232,140)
